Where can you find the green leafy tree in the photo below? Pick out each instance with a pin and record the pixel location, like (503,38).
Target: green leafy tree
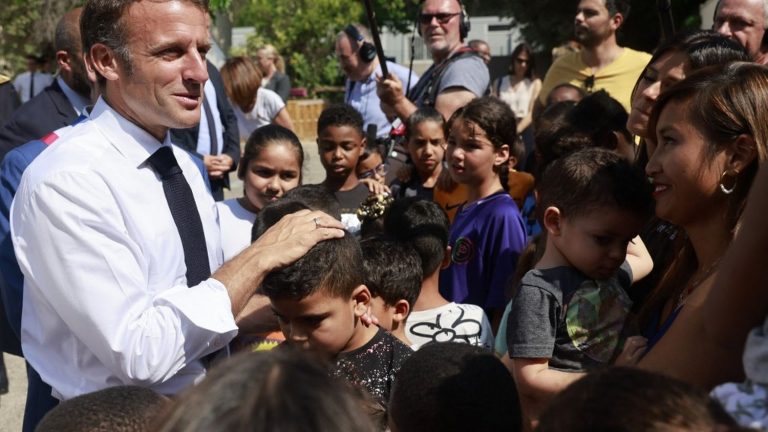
(27,27)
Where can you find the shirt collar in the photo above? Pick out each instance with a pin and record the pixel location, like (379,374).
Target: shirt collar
(372,76)
(76,100)
(128,138)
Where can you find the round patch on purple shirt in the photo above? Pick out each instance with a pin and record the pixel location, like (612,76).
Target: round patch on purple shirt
(463,251)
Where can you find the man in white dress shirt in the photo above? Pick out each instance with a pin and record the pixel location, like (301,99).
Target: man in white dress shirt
(30,83)
(106,296)
(357,57)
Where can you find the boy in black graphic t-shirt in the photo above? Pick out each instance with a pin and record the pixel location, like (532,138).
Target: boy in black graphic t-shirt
(319,301)
(340,143)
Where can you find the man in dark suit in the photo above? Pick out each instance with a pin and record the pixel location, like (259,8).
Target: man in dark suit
(60,103)
(215,140)
(9,99)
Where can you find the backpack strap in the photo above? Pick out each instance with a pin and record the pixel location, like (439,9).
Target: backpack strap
(432,88)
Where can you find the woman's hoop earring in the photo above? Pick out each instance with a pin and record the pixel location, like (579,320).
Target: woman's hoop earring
(727,190)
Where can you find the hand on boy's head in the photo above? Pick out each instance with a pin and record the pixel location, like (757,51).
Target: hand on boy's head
(294,235)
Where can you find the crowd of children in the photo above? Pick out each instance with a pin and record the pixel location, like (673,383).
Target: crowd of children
(467,295)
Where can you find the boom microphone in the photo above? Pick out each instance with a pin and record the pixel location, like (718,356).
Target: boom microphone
(370,133)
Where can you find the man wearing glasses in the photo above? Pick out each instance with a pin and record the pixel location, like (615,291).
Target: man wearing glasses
(601,64)
(458,74)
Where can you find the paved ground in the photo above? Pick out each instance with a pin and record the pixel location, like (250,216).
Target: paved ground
(12,404)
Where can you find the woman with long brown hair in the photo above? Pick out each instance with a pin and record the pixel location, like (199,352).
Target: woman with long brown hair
(671,62)
(711,136)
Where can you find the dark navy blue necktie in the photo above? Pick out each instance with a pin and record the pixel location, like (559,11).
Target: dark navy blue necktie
(181,202)
(211,127)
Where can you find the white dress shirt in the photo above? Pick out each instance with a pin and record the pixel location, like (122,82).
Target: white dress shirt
(203,136)
(106,300)
(236,224)
(78,101)
(268,106)
(23,82)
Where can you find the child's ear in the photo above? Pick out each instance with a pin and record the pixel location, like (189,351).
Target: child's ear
(402,309)
(446,258)
(363,146)
(361,297)
(502,155)
(552,219)
(512,162)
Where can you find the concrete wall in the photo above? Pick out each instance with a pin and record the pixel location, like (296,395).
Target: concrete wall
(707,11)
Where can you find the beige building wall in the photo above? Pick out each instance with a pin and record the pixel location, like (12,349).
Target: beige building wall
(707,11)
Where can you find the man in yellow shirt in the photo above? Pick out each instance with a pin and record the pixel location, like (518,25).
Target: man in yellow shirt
(602,63)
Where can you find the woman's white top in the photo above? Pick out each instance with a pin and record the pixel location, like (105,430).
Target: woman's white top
(268,105)
(235,224)
(518,97)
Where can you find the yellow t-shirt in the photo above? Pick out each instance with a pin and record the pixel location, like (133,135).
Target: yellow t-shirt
(4,79)
(618,78)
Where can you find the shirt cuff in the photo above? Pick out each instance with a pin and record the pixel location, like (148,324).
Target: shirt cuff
(206,306)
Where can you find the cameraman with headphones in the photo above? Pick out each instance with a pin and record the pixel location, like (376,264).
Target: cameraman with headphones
(357,57)
(745,21)
(457,75)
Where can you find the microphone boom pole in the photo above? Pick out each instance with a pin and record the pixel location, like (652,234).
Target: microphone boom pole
(665,17)
(376,40)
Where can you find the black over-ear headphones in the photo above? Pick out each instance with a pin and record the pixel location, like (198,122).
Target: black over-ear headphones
(464,25)
(367,51)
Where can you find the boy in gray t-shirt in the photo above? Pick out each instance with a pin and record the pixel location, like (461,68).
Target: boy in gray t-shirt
(569,312)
